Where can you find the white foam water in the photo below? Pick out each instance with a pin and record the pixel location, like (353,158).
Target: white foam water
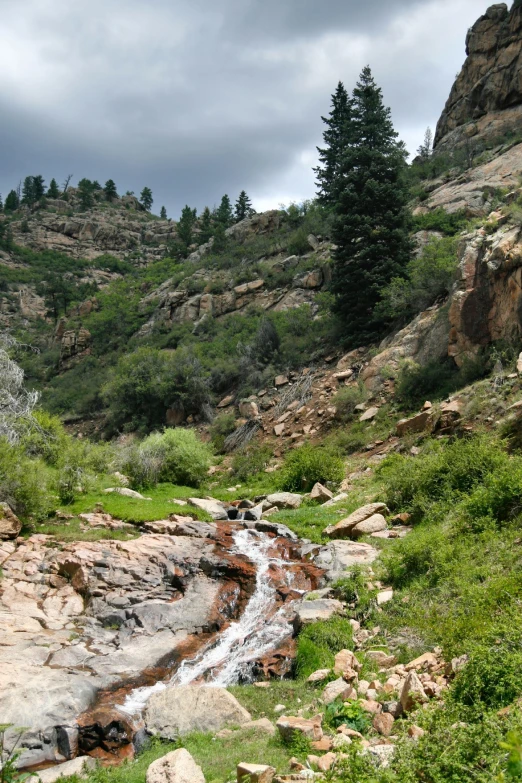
(261,628)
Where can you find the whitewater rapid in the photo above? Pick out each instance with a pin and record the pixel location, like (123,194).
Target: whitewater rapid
(261,629)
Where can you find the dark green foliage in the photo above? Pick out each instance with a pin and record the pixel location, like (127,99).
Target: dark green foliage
(185,227)
(220,238)
(426,278)
(205,227)
(58,292)
(351,714)
(12,201)
(336,138)
(110,190)
(243,208)
(176,456)
(222,426)
(24,483)
(147,382)
(345,401)
(371,229)
(436,380)
(307,465)
(298,243)
(251,461)
(146,198)
(1,204)
(52,190)
(318,644)
(85,193)
(224,213)
(440,220)
(163,213)
(33,190)
(493,675)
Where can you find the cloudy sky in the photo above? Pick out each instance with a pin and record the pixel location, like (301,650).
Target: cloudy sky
(196,98)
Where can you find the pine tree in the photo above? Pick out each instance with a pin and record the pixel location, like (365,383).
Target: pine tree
(426,148)
(205,227)
(185,226)
(336,139)
(146,198)
(110,190)
(52,190)
(224,214)
(38,187)
(163,213)
(220,239)
(243,207)
(1,204)
(28,191)
(371,215)
(85,193)
(12,201)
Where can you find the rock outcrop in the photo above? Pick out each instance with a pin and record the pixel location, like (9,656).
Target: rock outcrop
(486,100)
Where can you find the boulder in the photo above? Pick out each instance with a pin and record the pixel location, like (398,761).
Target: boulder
(254,773)
(412,693)
(215,508)
(10,525)
(383,723)
(261,725)
(312,611)
(181,709)
(382,659)
(280,380)
(344,661)
(80,767)
(417,423)
(176,767)
(343,528)
(126,492)
(273,527)
(289,726)
(248,409)
(368,415)
(285,499)
(373,524)
(319,676)
(321,493)
(338,689)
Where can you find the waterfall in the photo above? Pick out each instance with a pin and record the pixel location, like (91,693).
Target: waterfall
(261,628)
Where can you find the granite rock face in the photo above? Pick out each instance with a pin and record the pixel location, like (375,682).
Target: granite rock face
(486,99)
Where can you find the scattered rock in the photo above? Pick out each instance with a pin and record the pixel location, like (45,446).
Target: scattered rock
(326,762)
(254,773)
(319,676)
(346,660)
(412,693)
(178,710)
(289,726)
(343,528)
(415,732)
(384,596)
(80,766)
(383,754)
(285,500)
(10,525)
(417,423)
(262,724)
(280,380)
(338,689)
(373,524)
(312,611)
(126,492)
(320,492)
(226,401)
(368,415)
(176,767)
(426,661)
(382,659)
(215,508)
(383,723)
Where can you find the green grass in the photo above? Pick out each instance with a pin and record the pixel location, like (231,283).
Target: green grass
(71,530)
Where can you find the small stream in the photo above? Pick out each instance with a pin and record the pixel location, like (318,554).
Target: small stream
(231,658)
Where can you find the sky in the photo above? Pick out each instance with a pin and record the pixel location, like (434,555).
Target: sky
(197,98)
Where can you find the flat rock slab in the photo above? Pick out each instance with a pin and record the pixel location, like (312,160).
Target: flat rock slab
(312,611)
(337,557)
(126,492)
(80,766)
(215,508)
(272,527)
(182,709)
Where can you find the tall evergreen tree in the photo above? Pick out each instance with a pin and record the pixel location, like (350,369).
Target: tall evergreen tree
(205,227)
(12,201)
(110,190)
(186,225)
(1,204)
(52,190)
(220,238)
(243,208)
(426,148)
(372,217)
(224,214)
(163,213)
(336,138)
(146,198)
(28,191)
(85,191)
(38,187)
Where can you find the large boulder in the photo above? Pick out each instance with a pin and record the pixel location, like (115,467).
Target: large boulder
(285,499)
(373,524)
(10,525)
(312,611)
(215,508)
(343,528)
(182,709)
(176,767)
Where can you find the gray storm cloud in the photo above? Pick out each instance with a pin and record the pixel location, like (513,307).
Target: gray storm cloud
(196,98)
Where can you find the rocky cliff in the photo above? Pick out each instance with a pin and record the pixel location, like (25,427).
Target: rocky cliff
(486,100)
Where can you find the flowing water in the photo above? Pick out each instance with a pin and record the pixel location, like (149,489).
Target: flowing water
(261,629)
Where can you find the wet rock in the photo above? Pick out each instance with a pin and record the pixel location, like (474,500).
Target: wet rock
(277,529)
(339,556)
(179,710)
(176,767)
(10,525)
(285,500)
(177,525)
(254,773)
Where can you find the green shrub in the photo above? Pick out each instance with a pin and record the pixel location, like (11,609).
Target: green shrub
(351,714)
(441,220)
(176,456)
(498,500)
(307,465)
(298,243)
(436,380)
(47,439)
(346,400)
(493,675)
(223,425)
(24,483)
(251,461)
(318,644)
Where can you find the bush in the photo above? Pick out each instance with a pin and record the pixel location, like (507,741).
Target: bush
(319,642)
(345,401)
(223,425)
(440,220)
(176,456)
(298,243)
(46,438)
(250,462)
(493,675)
(436,380)
(307,465)
(498,500)
(24,483)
